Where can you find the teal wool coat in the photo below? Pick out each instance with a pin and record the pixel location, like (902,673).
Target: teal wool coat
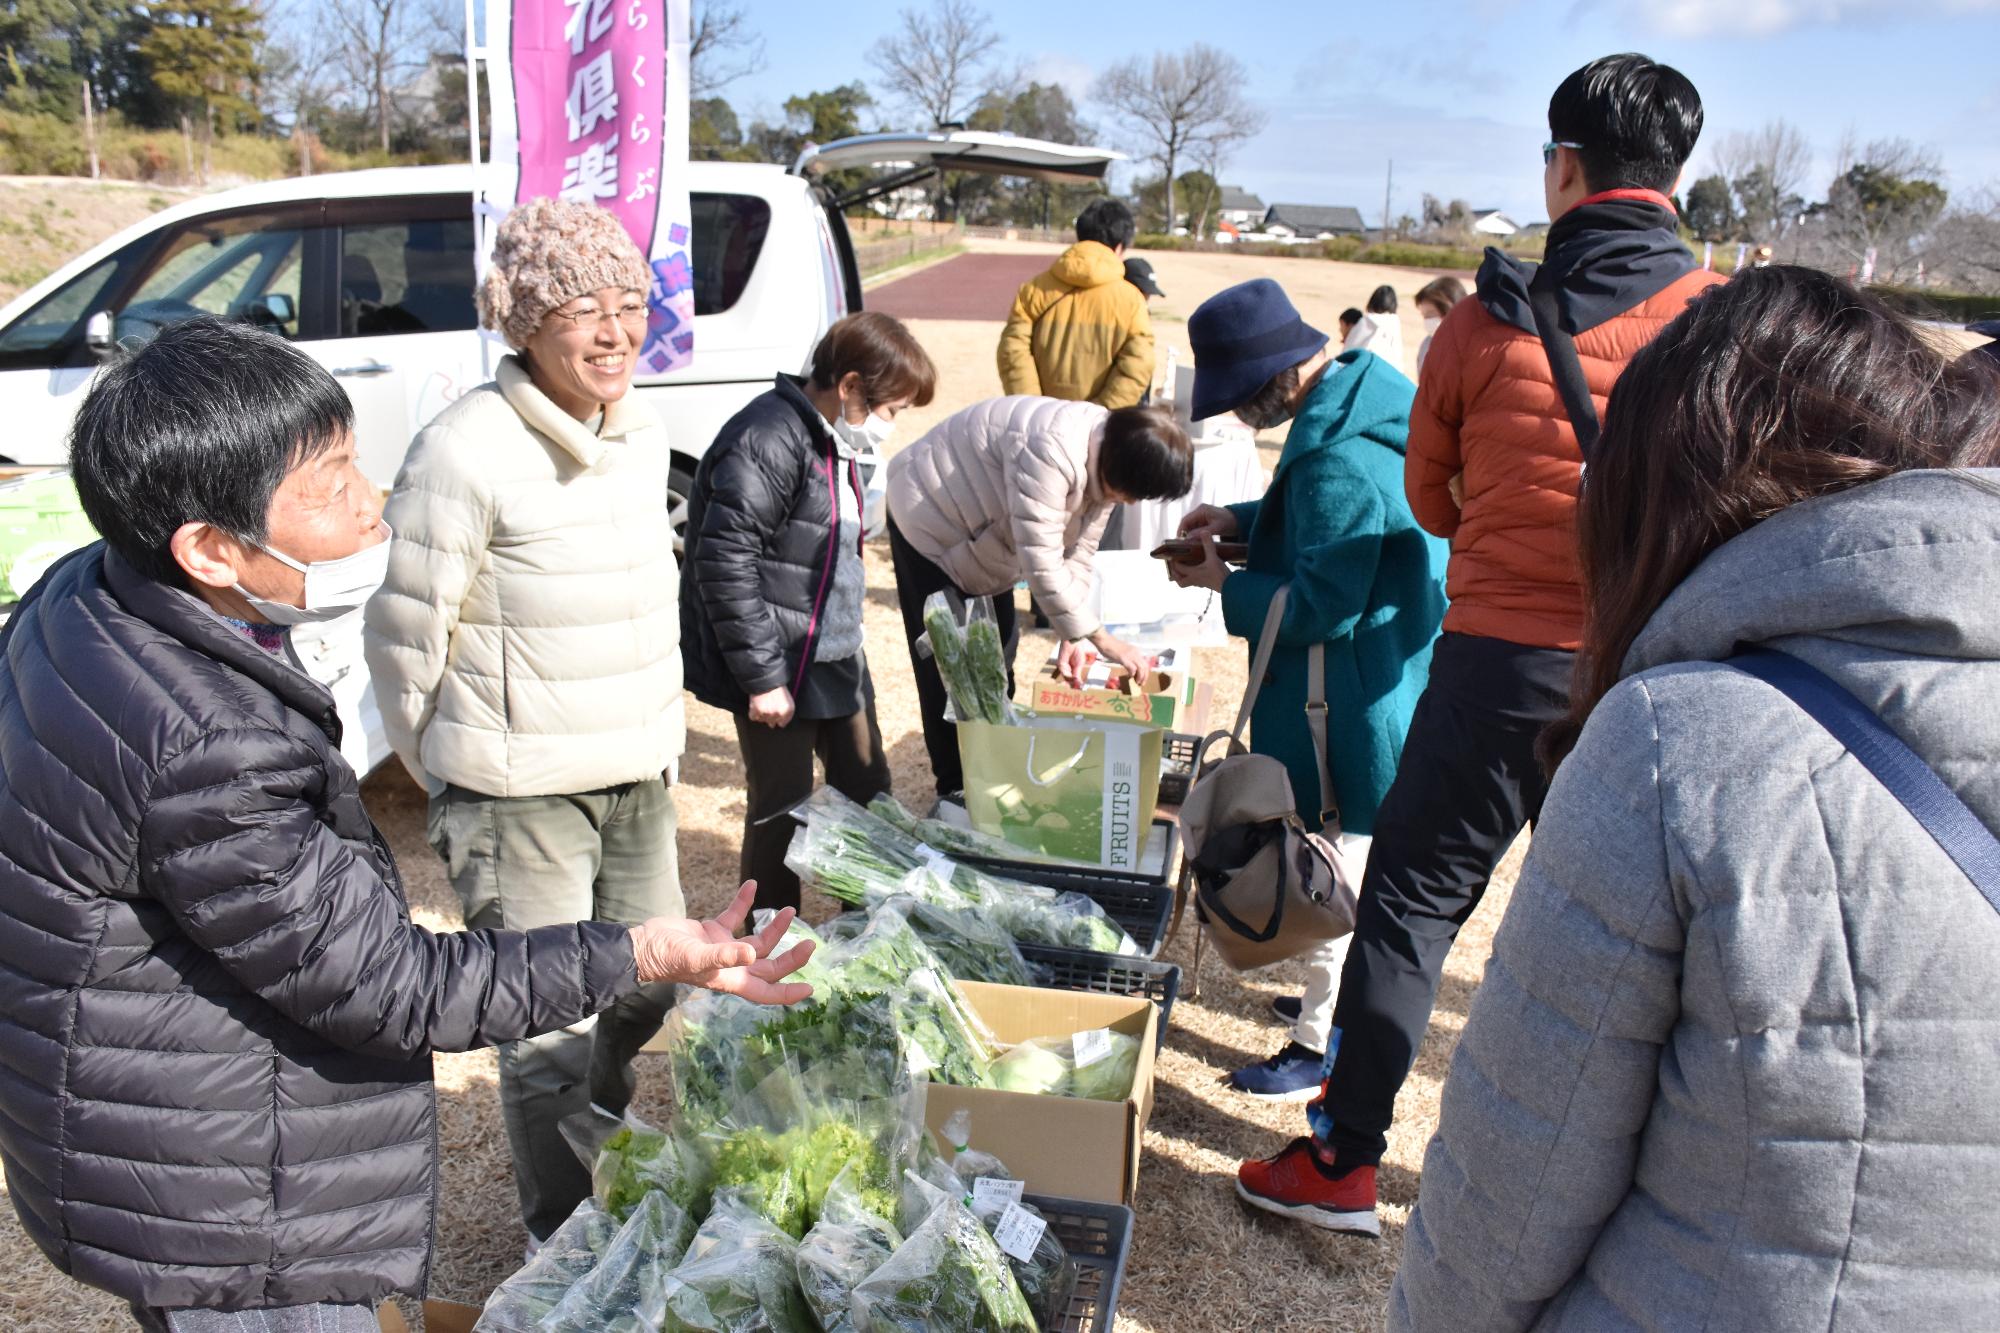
(1366,581)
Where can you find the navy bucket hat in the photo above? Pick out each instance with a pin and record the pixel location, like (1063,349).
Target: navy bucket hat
(1242,337)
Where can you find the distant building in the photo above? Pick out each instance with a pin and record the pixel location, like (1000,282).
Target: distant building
(1313,222)
(1492,222)
(1241,209)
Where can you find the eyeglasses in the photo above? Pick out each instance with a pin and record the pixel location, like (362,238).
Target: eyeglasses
(632,315)
(1549,149)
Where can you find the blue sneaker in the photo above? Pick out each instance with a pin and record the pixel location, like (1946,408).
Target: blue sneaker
(1289,1007)
(1292,1075)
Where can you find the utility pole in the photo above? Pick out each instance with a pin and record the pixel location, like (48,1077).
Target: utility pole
(1388,186)
(90,129)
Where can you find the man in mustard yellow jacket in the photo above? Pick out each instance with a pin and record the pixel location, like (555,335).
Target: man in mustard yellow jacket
(1080,331)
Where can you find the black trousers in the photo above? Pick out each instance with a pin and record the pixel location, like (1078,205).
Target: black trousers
(1467,784)
(916,579)
(778,774)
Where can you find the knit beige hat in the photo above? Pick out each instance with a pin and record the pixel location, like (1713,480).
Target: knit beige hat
(549,251)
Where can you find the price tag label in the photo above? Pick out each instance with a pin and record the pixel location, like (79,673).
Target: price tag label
(1090,1047)
(991,1195)
(941,866)
(1018,1232)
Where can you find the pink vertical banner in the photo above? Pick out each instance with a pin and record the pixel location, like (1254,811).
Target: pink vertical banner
(600,93)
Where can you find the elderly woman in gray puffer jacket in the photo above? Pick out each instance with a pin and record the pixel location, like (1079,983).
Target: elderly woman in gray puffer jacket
(1732,1064)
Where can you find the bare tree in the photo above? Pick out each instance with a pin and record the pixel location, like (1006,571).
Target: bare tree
(1767,169)
(939,61)
(301,77)
(383,40)
(1180,105)
(1887,198)
(723,47)
(1966,245)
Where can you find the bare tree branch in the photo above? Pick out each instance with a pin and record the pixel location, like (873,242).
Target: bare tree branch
(1174,105)
(723,47)
(939,62)
(1767,169)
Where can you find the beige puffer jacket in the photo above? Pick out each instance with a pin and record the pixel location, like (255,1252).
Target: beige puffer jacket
(1008,489)
(527,640)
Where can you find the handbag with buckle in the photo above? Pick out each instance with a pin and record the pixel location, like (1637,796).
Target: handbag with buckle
(1265,889)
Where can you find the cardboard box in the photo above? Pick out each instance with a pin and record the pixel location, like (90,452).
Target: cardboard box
(1163,700)
(1066,1146)
(439,1317)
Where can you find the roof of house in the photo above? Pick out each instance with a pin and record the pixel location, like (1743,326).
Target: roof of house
(1237,199)
(1316,217)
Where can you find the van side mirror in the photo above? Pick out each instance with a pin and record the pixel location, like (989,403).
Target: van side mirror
(98,335)
(280,307)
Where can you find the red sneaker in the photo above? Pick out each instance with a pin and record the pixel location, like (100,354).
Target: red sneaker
(1293,1185)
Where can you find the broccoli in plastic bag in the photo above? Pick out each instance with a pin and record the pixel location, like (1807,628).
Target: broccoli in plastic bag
(739,1276)
(564,1259)
(626,1292)
(948,1277)
(849,1242)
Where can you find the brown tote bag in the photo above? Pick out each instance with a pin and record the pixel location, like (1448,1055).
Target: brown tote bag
(1265,889)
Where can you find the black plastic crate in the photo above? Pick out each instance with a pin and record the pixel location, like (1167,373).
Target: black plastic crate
(1106,974)
(1014,869)
(1177,755)
(1098,1237)
(1140,906)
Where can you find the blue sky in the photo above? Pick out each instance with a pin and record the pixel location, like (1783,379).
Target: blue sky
(1457,93)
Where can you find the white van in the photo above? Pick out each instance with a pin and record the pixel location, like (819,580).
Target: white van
(371,274)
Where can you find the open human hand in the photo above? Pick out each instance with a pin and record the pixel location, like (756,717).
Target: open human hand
(709,954)
(1208,522)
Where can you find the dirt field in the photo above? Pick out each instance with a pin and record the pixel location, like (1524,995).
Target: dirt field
(44,222)
(1201,1263)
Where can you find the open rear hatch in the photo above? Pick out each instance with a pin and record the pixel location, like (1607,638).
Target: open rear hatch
(906,159)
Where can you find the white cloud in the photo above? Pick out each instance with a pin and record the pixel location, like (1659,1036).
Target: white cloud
(1708,18)
(1071,74)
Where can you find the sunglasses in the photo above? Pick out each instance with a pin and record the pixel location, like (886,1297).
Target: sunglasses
(1549,150)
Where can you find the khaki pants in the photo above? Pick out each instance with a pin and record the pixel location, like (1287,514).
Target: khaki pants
(518,862)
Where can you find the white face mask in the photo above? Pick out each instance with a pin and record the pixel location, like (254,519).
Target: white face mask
(870,434)
(1431,323)
(333,587)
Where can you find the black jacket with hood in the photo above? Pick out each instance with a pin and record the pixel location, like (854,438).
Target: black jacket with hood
(216,1016)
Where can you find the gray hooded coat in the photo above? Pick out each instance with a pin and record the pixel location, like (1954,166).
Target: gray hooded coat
(1734,1062)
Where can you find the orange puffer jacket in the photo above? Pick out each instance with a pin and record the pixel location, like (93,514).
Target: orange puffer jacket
(1487,407)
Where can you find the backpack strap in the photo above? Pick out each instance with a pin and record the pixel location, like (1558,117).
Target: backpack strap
(1967,841)
(1563,361)
(1329,805)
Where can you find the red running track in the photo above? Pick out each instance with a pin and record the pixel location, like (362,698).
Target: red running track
(976,286)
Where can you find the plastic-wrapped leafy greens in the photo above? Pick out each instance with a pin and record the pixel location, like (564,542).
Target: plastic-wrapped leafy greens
(1048,1275)
(972,947)
(1099,1065)
(969,658)
(638,1160)
(859,857)
(792,1140)
(626,1292)
(847,1244)
(518,1304)
(739,1276)
(948,1277)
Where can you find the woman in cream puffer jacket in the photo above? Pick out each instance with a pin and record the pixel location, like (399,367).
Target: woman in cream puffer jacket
(525,649)
(1020,488)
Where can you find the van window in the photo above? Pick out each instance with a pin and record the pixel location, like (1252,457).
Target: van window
(729,231)
(49,324)
(227,267)
(406,277)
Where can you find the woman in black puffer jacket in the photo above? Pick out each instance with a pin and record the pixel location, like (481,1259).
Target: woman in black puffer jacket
(216,1016)
(772,583)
